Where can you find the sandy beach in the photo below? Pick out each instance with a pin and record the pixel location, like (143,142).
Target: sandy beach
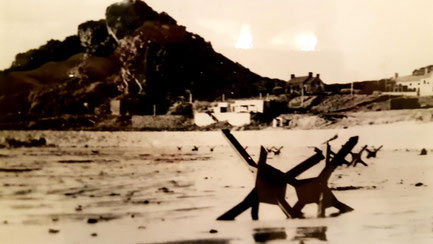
(138,187)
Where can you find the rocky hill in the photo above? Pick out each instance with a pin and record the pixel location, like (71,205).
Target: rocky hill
(134,51)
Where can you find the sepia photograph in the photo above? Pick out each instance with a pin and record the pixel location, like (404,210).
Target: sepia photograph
(218,121)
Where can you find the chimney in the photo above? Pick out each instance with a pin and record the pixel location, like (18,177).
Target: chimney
(318,76)
(396,75)
(292,76)
(310,74)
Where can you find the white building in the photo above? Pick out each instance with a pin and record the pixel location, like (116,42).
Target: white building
(422,85)
(248,106)
(221,107)
(239,106)
(236,113)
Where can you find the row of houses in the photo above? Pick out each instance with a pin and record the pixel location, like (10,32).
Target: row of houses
(305,84)
(419,83)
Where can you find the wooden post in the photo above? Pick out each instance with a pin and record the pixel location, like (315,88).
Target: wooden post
(190,97)
(351,89)
(223,97)
(154,110)
(302,96)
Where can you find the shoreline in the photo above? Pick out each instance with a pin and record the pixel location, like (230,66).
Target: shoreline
(306,121)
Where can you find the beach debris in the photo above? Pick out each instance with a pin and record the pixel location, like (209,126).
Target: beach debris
(53,231)
(423,152)
(55,219)
(273,149)
(165,190)
(213,231)
(75,161)
(18,169)
(94,234)
(92,221)
(356,157)
(277,151)
(179,148)
(5,222)
(141,227)
(372,153)
(419,184)
(347,188)
(271,183)
(211,149)
(194,149)
(79,208)
(23,192)
(12,142)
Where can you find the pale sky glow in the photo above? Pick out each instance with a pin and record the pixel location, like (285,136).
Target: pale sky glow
(306,42)
(245,39)
(343,40)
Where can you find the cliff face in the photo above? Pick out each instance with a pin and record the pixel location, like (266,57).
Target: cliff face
(135,50)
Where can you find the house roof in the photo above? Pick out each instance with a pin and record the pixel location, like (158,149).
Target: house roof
(303,80)
(413,78)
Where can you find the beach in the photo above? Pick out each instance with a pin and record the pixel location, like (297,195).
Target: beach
(151,187)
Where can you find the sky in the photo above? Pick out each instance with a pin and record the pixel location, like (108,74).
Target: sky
(343,40)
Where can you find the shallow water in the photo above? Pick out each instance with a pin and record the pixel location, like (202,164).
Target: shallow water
(140,188)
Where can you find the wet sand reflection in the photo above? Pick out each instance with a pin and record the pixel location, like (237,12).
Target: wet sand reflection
(310,233)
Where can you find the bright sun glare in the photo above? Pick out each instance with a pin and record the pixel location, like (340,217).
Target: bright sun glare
(306,42)
(245,39)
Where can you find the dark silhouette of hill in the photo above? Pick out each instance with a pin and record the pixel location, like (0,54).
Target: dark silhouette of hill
(135,51)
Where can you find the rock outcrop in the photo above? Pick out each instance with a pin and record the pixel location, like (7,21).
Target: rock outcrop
(95,39)
(135,51)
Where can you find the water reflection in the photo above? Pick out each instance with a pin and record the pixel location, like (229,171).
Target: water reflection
(310,233)
(269,234)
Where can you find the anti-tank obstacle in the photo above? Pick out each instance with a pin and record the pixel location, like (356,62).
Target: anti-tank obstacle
(271,183)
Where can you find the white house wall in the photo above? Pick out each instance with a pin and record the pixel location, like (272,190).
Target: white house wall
(246,106)
(235,119)
(425,85)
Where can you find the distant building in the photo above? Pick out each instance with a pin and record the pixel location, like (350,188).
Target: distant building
(419,83)
(237,112)
(240,106)
(280,121)
(248,106)
(115,107)
(222,107)
(309,84)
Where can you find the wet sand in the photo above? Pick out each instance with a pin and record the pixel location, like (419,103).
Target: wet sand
(138,187)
